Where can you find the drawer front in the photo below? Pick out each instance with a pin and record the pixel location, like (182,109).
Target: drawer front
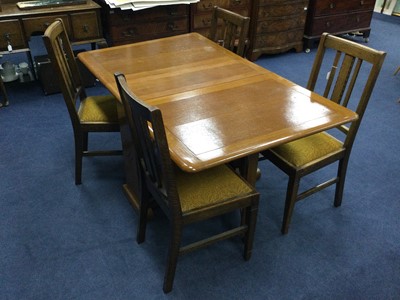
(331,7)
(85,26)
(279,39)
(148,31)
(281,2)
(234,5)
(126,17)
(40,24)
(282,10)
(11,31)
(276,25)
(341,23)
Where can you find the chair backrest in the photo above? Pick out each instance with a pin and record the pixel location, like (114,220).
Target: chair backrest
(343,59)
(230,30)
(150,141)
(63,60)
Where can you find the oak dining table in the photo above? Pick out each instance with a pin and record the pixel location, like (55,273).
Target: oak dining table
(217,107)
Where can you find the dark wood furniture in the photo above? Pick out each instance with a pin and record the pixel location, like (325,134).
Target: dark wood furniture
(4,97)
(127,26)
(304,156)
(87,114)
(276,26)
(337,17)
(82,23)
(185,198)
(237,108)
(229,30)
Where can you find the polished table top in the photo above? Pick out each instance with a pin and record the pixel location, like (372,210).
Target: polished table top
(216,106)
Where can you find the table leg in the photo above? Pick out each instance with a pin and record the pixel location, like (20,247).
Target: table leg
(248,168)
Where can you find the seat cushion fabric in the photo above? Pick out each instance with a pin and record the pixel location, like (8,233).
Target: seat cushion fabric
(208,187)
(98,109)
(305,150)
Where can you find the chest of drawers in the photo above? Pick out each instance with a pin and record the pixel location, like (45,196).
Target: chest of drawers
(338,17)
(127,26)
(276,26)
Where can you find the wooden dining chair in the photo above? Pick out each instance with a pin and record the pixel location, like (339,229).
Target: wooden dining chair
(4,99)
(87,113)
(185,198)
(346,61)
(230,30)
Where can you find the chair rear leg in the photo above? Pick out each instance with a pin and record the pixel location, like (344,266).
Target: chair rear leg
(291,195)
(342,169)
(173,253)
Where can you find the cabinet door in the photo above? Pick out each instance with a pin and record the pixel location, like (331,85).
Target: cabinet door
(85,26)
(11,33)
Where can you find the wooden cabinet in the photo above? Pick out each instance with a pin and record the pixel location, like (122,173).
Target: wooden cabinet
(127,26)
(82,23)
(338,17)
(201,12)
(276,26)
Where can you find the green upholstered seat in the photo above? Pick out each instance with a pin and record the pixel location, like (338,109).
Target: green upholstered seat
(308,149)
(101,109)
(202,189)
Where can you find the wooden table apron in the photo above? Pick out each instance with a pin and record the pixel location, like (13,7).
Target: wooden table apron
(217,107)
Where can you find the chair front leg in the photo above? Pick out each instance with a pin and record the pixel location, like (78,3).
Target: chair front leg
(78,159)
(251,218)
(291,195)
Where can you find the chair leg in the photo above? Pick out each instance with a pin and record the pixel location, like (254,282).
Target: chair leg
(143,212)
(291,195)
(85,141)
(340,184)
(251,217)
(78,159)
(4,94)
(173,253)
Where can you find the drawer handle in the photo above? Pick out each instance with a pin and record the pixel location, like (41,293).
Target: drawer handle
(129,33)
(209,6)
(358,19)
(332,5)
(172,27)
(173,12)
(238,1)
(85,28)
(362,2)
(206,22)
(328,24)
(46,24)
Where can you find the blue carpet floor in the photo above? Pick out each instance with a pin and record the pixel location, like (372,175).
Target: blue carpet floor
(61,241)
